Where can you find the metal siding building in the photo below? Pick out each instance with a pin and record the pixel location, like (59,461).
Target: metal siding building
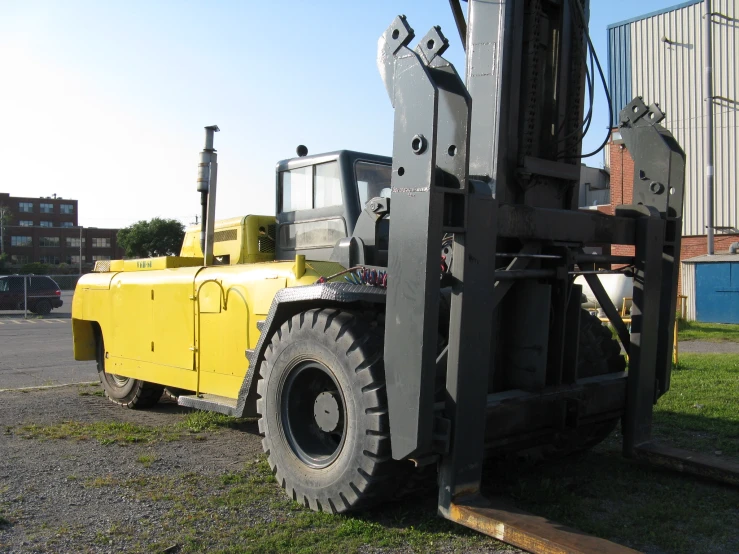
(712,287)
(660,56)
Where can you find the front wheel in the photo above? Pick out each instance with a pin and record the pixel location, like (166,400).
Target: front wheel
(323,411)
(125,391)
(42,307)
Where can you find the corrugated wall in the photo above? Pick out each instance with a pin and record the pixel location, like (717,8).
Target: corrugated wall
(666,66)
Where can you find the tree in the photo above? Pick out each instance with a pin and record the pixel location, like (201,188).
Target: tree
(6,216)
(146,239)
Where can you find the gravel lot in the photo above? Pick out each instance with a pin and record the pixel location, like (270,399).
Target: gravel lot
(64,488)
(47,486)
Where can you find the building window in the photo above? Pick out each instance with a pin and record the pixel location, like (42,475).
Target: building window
(67,224)
(21,241)
(49,259)
(74,260)
(25,207)
(46,224)
(47,208)
(100,258)
(25,223)
(73,242)
(66,209)
(101,243)
(19,259)
(49,242)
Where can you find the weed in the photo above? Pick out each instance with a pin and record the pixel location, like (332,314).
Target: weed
(197,422)
(146,459)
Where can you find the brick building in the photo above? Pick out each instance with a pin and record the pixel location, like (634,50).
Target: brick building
(660,56)
(47,230)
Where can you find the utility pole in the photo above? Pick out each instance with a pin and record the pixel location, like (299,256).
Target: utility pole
(708,88)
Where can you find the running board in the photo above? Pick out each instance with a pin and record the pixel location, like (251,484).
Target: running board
(496,518)
(209,403)
(686,461)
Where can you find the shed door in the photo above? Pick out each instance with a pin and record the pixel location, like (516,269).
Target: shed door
(717,292)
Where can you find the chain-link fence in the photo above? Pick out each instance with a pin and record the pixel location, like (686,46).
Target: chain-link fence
(34,294)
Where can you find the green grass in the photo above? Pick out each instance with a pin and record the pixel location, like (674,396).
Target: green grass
(712,332)
(194,424)
(701,411)
(146,459)
(245,511)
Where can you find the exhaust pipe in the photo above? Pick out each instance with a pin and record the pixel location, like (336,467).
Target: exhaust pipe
(207,181)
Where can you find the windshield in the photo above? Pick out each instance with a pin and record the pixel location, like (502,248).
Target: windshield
(373,179)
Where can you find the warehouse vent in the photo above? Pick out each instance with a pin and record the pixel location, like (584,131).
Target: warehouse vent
(102,266)
(223,236)
(266,242)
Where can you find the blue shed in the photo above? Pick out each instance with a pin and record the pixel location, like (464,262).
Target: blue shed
(711,284)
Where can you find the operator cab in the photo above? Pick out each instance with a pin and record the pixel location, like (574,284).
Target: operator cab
(320,198)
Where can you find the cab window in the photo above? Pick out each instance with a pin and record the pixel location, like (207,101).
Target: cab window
(328,185)
(315,186)
(296,189)
(373,180)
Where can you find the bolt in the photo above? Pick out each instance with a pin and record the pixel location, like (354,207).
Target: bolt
(418,144)
(656,188)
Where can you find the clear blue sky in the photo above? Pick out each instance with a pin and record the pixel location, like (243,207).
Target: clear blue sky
(105,101)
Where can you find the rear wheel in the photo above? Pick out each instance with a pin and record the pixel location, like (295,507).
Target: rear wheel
(323,411)
(125,391)
(599,354)
(43,307)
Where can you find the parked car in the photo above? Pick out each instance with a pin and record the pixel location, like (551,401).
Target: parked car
(43,293)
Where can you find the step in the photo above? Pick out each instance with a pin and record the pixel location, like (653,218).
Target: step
(210,403)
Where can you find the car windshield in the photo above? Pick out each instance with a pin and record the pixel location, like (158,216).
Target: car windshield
(3,285)
(373,179)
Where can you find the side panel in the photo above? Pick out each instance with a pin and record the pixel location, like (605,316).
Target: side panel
(229,304)
(223,328)
(151,331)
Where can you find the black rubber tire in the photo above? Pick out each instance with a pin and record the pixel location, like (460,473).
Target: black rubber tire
(600,352)
(125,391)
(362,473)
(42,307)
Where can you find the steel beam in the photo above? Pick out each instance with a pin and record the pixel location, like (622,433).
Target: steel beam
(645,316)
(685,461)
(507,523)
(579,227)
(411,328)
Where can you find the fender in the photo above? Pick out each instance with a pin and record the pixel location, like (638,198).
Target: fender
(286,303)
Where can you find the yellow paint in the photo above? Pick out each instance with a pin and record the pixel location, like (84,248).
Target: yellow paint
(299,267)
(186,327)
(237,239)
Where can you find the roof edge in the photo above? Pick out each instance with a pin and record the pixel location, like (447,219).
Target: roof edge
(654,13)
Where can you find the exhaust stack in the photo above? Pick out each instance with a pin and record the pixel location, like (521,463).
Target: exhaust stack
(207,181)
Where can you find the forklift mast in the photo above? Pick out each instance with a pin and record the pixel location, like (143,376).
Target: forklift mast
(494,162)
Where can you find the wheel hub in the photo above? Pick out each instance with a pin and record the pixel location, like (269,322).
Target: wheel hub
(118,380)
(313,414)
(326,411)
